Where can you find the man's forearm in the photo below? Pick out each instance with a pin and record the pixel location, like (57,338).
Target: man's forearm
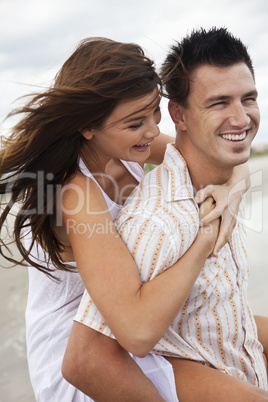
(100,368)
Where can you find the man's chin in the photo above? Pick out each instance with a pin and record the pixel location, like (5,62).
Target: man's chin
(241,158)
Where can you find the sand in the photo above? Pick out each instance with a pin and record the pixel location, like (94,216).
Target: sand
(14,379)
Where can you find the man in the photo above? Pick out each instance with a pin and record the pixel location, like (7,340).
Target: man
(209,79)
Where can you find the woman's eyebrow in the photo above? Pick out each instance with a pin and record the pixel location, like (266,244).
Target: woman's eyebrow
(134,119)
(140,117)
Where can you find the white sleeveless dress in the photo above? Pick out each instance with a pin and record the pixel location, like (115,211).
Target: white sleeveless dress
(50,310)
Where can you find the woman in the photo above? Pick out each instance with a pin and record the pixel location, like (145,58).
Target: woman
(74,154)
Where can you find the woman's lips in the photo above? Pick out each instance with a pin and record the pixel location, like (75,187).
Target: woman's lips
(142,147)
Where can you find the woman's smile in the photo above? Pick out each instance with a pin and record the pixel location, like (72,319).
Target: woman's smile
(143,147)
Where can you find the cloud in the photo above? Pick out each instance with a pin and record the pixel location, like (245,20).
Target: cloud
(36,36)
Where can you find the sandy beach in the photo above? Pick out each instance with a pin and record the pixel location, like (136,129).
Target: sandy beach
(14,380)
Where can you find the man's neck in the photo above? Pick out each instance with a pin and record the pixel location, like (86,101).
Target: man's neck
(202,171)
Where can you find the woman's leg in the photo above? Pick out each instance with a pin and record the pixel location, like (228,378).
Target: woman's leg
(262,326)
(196,382)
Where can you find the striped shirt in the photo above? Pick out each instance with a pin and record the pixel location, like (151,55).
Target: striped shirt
(216,327)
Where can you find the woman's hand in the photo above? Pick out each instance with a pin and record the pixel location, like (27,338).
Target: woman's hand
(227,198)
(209,231)
(226,206)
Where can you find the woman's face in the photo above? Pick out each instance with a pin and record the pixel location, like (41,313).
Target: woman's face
(128,131)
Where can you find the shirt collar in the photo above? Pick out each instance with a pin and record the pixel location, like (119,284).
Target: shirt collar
(179,182)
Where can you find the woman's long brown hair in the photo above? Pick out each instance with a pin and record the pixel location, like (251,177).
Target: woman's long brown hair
(44,146)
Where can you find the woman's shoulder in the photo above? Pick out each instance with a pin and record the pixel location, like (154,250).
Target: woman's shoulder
(79,180)
(81,191)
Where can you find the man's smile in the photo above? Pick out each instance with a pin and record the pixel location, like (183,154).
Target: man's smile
(234,137)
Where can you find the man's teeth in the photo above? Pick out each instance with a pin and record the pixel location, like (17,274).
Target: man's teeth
(233,137)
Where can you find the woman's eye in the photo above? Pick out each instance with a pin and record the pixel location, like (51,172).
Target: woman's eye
(138,125)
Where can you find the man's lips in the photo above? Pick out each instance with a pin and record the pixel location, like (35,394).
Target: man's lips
(234,137)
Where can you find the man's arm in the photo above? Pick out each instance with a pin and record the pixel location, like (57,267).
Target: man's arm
(100,368)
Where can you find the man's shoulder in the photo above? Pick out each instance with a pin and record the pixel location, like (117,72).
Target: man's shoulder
(150,191)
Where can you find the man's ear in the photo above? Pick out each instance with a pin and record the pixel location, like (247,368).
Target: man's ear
(176,112)
(87,134)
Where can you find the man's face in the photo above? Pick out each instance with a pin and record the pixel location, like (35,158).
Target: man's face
(222,115)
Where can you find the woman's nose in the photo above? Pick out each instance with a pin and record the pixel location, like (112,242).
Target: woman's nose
(153,131)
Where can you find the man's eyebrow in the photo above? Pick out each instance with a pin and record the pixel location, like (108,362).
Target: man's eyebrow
(252,93)
(226,97)
(217,98)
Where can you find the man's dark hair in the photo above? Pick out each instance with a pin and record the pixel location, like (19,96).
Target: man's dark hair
(215,47)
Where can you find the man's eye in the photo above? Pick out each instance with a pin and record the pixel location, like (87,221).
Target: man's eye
(250,100)
(217,104)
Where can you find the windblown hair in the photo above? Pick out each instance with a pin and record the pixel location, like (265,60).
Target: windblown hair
(215,47)
(47,141)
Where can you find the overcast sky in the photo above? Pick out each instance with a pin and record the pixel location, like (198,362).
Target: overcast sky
(37,36)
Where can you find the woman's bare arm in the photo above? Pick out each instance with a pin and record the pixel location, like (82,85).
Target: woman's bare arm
(158,148)
(137,315)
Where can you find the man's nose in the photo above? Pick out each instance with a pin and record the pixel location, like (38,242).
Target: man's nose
(239,117)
